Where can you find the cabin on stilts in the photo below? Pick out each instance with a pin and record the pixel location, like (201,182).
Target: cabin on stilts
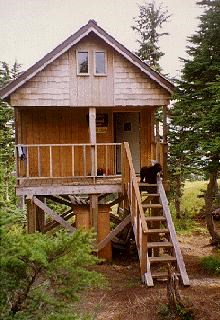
(85,124)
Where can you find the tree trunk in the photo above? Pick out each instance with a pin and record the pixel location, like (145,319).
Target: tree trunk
(174,299)
(211,191)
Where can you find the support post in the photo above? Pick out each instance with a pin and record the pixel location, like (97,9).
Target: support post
(82,216)
(104,230)
(40,217)
(21,202)
(165,145)
(92,137)
(31,216)
(157,141)
(94,211)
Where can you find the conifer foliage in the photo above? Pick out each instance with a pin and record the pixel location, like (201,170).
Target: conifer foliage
(7,164)
(196,114)
(42,273)
(149,22)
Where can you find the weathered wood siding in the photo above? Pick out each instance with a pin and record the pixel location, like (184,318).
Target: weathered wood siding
(50,87)
(59,85)
(133,88)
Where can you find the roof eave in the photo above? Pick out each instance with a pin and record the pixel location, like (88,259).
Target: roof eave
(74,39)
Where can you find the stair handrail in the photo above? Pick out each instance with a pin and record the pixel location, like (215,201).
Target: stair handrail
(133,182)
(131,188)
(173,236)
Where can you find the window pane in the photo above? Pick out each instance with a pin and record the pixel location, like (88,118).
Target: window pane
(83,62)
(100,62)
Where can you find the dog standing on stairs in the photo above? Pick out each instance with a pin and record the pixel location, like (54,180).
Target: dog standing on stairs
(149,175)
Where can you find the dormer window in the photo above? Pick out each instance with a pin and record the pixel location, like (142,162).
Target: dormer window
(82,63)
(100,63)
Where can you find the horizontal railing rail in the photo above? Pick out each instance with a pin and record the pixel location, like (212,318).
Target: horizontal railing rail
(43,161)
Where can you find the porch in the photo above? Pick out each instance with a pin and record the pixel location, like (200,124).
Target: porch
(48,169)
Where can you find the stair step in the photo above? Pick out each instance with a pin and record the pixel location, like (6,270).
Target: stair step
(162,259)
(144,184)
(155,218)
(158,231)
(160,244)
(152,205)
(161,274)
(151,194)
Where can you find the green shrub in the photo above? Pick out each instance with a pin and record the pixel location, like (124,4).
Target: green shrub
(180,313)
(41,274)
(211,264)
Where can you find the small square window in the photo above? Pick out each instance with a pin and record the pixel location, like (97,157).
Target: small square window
(83,62)
(100,63)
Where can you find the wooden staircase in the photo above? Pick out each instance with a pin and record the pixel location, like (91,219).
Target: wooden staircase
(153,227)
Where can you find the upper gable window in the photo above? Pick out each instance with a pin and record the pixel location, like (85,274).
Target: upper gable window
(82,62)
(100,63)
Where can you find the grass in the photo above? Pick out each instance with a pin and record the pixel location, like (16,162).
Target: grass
(191,206)
(211,264)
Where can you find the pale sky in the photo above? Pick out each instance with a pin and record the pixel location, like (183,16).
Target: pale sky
(29,29)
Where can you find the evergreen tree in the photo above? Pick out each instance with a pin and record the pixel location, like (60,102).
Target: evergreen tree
(148,23)
(42,274)
(196,115)
(6,133)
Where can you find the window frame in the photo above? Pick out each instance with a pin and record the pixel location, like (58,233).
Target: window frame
(105,61)
(77,63)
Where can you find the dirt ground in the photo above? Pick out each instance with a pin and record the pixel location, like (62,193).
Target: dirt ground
(126,298)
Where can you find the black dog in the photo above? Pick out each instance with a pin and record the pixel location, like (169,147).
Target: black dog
(149,175)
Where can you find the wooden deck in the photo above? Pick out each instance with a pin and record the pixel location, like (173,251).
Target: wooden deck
(73,185)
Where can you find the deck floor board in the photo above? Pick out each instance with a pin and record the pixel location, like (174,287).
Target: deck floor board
(33,186)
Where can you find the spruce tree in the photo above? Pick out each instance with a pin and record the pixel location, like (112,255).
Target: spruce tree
(7,164)
(196,115)
(148,24)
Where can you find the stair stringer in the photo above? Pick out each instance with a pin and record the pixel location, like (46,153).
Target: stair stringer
(146,277)
(177,251)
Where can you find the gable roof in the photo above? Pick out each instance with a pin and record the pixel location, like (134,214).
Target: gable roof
(74,39)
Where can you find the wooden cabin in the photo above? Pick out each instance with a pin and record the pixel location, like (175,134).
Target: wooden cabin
(84,118)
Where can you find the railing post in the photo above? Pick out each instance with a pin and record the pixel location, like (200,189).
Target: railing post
(38,161)
(17,161)
(138,228)
(84,160)
(27,174)
(92,138)
(106,160)
(73,169)
(51,163)
(143,253)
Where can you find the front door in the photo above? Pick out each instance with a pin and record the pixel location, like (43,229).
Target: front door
(127,129)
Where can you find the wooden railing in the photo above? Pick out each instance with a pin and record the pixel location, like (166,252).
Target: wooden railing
(41,161)
(131,188)
(173,237)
